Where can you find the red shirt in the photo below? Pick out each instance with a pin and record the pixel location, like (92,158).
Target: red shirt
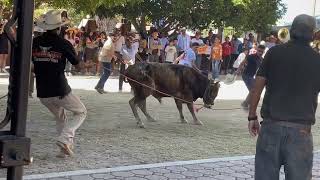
(226,49)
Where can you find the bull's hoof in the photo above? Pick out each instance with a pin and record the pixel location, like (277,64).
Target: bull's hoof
(151,119)
(140,125)
(183,121)
(199,123)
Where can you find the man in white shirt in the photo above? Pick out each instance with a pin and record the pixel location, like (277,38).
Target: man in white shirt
(128,54)
(105,56)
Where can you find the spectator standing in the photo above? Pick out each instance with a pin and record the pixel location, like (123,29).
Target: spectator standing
(216,58)
(291,77)
(70,36)
(251,40)
(154,47)
(210,38)
(164,43)
(64,17)
(197,39)
(235,49)
(91,52)
(243,45)
(4,48)
(81,46)
(184,41)
(226,55)
(171,52)
(142,54)
(206,59)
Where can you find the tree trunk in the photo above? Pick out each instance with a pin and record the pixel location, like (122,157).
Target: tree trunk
(220,33)
(259,37)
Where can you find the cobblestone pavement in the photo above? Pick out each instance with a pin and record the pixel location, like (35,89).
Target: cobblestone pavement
(238,168)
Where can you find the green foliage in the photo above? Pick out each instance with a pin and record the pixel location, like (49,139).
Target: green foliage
(257,15)
(243,15)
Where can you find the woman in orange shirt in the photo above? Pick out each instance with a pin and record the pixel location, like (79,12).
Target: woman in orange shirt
(216,58)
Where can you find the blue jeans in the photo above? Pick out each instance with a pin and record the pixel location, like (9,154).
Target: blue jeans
(105,75)
(287,144)
(215,68)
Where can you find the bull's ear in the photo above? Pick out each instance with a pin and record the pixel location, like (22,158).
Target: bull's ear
(218,82)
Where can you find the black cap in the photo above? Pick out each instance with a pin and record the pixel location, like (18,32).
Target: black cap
(303,28)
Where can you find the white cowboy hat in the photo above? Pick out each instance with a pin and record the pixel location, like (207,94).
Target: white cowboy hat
(38,29)
(230,79)
(51,20)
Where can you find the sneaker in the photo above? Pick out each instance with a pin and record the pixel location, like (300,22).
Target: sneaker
(65,148)
(100,90)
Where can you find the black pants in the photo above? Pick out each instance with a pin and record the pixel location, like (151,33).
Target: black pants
(121,77)
(225,66)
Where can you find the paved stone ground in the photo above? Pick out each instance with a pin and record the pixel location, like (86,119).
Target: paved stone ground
(238,168)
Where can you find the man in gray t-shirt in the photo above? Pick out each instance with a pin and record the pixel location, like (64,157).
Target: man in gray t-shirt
(290,73)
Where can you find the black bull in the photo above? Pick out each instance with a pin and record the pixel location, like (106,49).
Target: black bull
(184,84)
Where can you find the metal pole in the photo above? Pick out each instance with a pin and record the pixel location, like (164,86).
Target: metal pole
(20,74)
(314,7)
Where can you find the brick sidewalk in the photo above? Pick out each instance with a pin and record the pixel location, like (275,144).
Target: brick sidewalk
(237,168)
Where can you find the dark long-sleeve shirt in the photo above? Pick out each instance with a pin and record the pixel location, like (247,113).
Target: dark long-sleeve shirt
(49,54)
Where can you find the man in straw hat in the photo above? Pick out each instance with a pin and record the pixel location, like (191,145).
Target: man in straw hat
(50,52)
(290,73)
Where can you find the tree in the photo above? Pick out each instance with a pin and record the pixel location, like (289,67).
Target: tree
(260,15)
(169,14)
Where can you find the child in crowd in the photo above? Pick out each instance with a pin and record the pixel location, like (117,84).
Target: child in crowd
(171,52)
(216,58)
